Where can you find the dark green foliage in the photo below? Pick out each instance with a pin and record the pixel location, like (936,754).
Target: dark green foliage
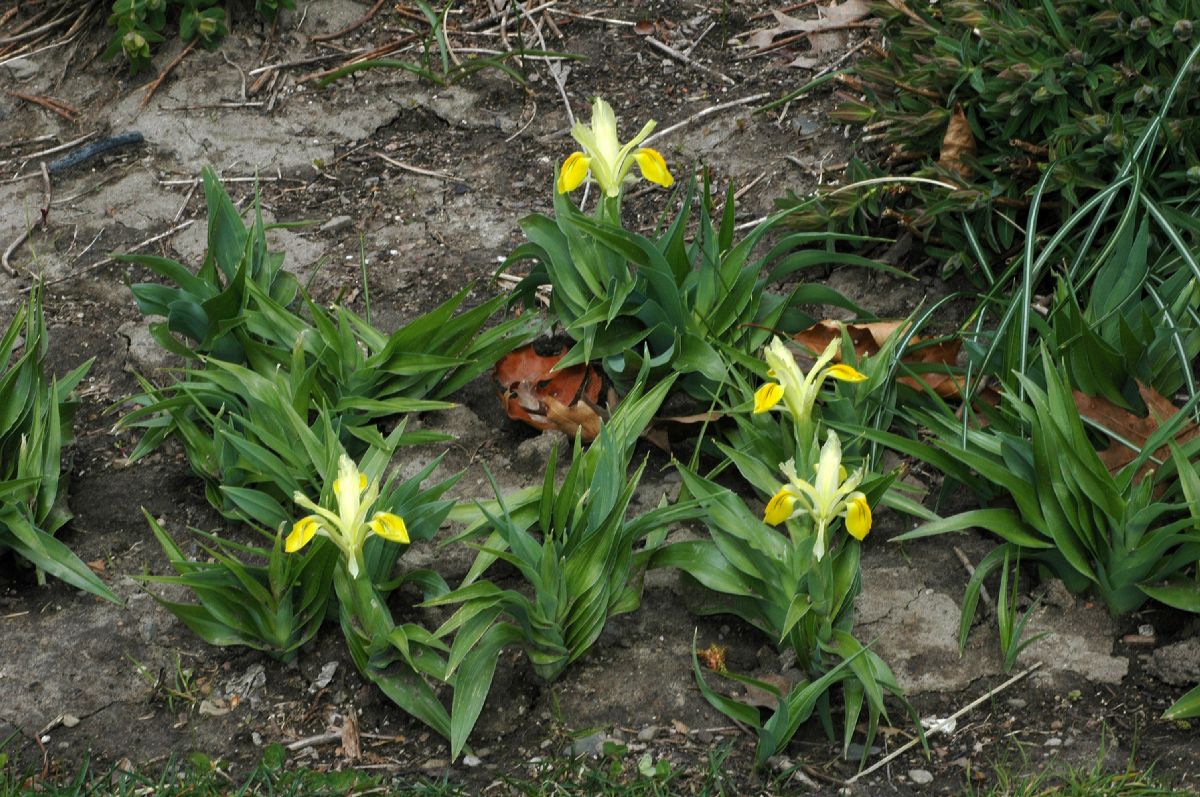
(1070,83)
(140,23)
(35,421)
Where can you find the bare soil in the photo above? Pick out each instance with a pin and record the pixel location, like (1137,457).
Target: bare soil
(80,678)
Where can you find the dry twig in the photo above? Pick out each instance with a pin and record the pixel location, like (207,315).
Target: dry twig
(688,60)
(353,26)
(944,723)
(153,87)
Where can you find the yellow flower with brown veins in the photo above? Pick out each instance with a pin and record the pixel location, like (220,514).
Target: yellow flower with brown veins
(798,390)
(348,527)
(605,159)
(831,494)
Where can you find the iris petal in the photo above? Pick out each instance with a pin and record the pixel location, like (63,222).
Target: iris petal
(767,397)
(653,167)
(302,533)
(390,527)
(574,171)
(845,373)
(780,507)
(858,516)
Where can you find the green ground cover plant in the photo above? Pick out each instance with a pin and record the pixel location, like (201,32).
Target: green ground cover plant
(36,413)
(978,100)
(139,24)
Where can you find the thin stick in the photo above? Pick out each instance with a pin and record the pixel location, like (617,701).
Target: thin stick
(108,260)
(50,151)
(678,56)
(353,26)
(555,69)
(12,247)
(49,103)
(970,568)
(153,87)
(313,741)
(724,106)
(973,704)
(417,169)
(592,17)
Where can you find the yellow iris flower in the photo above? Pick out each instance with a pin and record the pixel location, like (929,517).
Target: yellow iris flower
(831,494)
(606,159)
(348,527)
(798,390)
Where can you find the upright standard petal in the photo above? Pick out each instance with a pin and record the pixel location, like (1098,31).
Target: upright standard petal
(653,167)
(302,533)
(390,527)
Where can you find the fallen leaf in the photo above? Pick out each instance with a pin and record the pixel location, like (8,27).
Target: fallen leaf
(830,17)
(351,748)
(580,417)
(765,698)
(680,727)
(868,338)
(96,566)
(958,144)
(1134,428)
(533,392)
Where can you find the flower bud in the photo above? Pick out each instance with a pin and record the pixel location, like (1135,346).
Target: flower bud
(1041,96)
(1182,30)
(1139,27)
(1145,94)
(1114,141)
(1193,174)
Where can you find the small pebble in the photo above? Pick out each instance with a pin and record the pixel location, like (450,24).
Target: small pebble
(921,777)
(1054,741)
(648,733)
(70,720)
(471,761)
(1017,702)
(337,223)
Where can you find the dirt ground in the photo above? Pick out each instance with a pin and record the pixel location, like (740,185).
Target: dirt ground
(82,678)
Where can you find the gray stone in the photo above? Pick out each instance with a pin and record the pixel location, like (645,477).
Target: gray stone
(471,761)
(1177,664)
(531,455)
(921,777)
(23,68)
(591,745)
(1054,741)
(648,733)
(337,224)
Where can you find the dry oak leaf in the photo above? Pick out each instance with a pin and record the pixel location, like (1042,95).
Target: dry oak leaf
(958,144)
(868,338)
(832,17)
(533,392)
(1136,429)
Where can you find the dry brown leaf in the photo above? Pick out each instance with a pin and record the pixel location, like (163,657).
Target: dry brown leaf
(570,419)
(351,746)
(868,338)
(532,391)
(763,698)
(831,17)
(1134,428)
(958,144)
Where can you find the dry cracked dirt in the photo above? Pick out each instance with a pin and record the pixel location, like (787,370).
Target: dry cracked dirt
(430,183)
